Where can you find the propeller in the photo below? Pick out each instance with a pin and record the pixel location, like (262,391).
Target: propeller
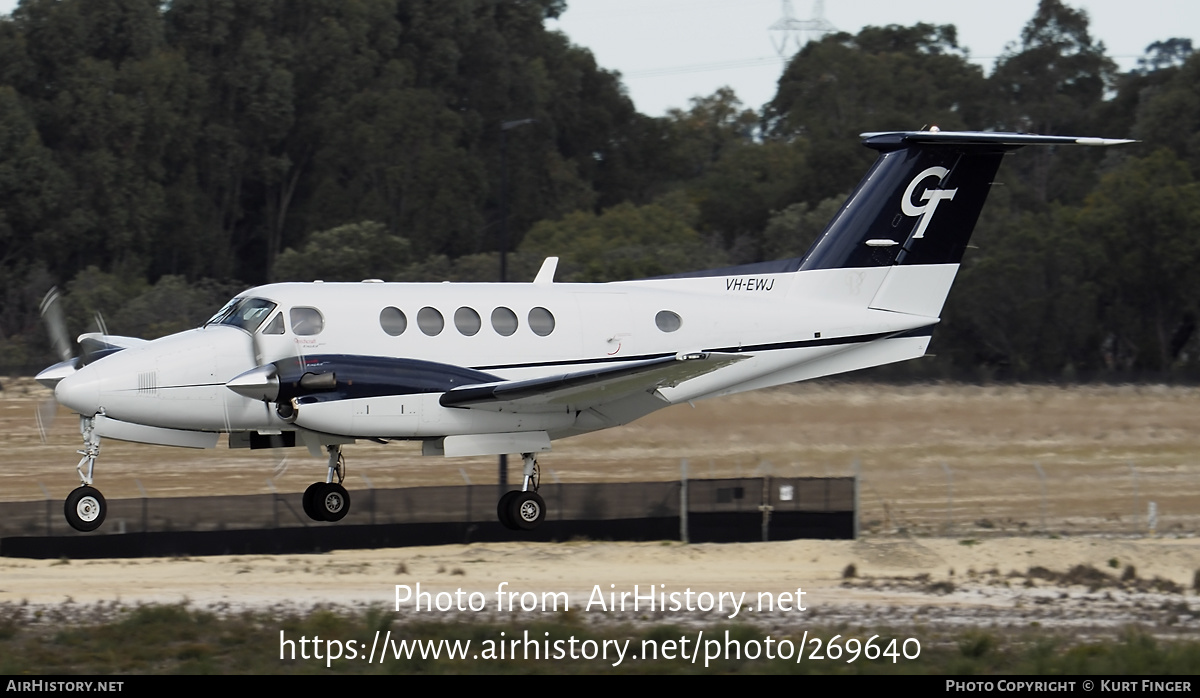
(56,326)
(92,346)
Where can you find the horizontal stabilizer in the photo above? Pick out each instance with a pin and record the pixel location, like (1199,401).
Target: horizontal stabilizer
(884,138)
(584,389)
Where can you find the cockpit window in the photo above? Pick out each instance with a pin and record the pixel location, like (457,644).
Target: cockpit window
(275,326)
(246,313)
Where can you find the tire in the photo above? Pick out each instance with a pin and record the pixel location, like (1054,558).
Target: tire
(310,497)
(332,502)
(85,509)
(503,511)
(528,510)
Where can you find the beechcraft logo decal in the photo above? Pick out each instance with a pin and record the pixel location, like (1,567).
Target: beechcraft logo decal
(931,197)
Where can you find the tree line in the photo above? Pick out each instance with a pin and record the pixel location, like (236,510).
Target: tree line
(156,158)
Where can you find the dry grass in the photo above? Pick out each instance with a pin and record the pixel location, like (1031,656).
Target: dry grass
(989,437)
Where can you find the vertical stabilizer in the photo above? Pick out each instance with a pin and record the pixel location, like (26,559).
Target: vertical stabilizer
(915,210)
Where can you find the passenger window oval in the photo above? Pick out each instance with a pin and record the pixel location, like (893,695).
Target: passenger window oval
(393,321)
(467,321)
(541,321)
(504,321)
(668,321)
(306,321)
(430,321)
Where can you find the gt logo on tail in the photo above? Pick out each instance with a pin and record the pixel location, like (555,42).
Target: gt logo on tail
(932,196)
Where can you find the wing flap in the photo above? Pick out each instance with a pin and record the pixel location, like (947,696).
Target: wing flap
(583,389)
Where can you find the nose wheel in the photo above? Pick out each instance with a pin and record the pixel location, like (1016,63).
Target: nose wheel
(85,509)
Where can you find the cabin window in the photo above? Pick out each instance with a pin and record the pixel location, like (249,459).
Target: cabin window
(275,326)
(430,321)
(541,321)
(668,321)
(393,321)
(467,321)
(504,321)
(306,321)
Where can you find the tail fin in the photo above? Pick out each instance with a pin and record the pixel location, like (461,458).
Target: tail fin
(915,211)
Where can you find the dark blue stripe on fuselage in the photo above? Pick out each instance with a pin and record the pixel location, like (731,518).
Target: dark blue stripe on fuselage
(372,376)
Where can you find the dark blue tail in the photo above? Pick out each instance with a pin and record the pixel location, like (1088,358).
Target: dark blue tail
(920,201)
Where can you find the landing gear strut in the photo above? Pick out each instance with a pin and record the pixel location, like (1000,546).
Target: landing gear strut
(85,507)
(524,509)
(329,501)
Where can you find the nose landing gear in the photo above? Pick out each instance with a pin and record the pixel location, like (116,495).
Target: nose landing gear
(85,507)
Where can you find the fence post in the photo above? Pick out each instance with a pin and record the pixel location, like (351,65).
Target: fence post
(1137,497)
(949,497)
(1042,478)
(145,505)
(274,503)
(49,505)
(683,500)
(371,489)
(467,480)
(857,477)
(766,508)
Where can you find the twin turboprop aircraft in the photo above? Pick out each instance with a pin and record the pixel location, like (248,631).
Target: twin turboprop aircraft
(474,369)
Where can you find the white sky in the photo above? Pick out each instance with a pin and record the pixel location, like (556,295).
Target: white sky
(671,50)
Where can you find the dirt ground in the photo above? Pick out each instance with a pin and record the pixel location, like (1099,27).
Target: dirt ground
(927,585)
(960,530)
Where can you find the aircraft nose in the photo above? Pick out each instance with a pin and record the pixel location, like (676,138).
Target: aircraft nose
(79,392)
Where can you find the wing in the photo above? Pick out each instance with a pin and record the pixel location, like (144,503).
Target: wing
(584,389)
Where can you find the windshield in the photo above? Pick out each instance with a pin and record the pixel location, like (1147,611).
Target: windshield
(246,313)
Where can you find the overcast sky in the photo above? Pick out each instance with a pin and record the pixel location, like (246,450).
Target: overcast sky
(671,50)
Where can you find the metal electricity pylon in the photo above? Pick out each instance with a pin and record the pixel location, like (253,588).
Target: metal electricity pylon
(789,34)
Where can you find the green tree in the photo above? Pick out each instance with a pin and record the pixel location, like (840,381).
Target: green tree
(1053,82)
(1146,219)
(350,252)
(1168,115)
(885,78)
(623,242)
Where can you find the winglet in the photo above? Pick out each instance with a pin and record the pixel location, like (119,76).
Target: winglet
(545,275)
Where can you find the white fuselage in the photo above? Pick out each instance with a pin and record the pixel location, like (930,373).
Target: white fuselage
(792,326)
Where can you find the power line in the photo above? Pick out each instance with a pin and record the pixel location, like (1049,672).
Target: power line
(705,67)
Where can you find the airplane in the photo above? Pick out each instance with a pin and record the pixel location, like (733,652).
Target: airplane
(472,369)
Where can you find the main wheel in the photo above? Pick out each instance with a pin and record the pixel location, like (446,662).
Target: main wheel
(528,510)
(85,508)
(332,501)
(503,511)
(309,501)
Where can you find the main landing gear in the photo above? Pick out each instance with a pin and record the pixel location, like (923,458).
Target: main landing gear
(85,507)
(524,509)
(329,501)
